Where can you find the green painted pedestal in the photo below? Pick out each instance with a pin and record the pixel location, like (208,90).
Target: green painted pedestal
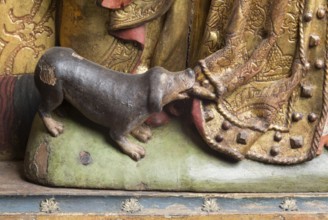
(176,160)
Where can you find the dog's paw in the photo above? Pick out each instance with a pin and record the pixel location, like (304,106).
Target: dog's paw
(136,152)
(142,133)
(55,128)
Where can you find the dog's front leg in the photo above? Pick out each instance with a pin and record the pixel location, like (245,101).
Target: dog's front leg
(135,151)
(54,127)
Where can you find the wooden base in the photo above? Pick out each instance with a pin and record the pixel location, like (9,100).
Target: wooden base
(21,199)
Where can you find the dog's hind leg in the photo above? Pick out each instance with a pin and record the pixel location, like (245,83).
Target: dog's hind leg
(135,151)
(51,98)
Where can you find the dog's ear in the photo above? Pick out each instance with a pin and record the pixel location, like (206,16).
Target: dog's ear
(156,92)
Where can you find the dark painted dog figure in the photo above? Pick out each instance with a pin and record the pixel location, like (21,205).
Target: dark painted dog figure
(119,101)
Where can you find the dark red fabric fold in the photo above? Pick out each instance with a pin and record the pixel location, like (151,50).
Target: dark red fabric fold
(197,116)
(7,84)
(137,34)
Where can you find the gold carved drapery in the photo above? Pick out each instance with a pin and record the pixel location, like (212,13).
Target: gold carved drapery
(267,78)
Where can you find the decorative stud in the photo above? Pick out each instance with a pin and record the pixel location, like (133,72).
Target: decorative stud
(49,206)
(321,13)
(296,116)
(312,117)
(277,136)
(306,91)
(208,115)
(219,138)
(314,40)
(242,137)
(210,205)
(319,64)
(85,158)
(296,142)
(307,66)
(226,125)
(206,83)
(288,205)
(274,151)
(308,16)
(131,206)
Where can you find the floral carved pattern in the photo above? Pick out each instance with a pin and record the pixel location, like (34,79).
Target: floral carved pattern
(121,56)
(137,12)
(27,31)
(215,26)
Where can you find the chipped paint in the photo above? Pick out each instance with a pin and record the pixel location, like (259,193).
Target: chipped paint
(41,160)
(47,74)
(77,56)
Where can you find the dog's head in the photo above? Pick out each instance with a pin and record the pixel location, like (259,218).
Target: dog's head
(166,86)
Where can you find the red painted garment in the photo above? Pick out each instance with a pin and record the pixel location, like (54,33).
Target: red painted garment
(197,116)
(137,34)
(114,4)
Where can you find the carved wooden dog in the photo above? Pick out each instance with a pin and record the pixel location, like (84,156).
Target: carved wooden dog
(121,102)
